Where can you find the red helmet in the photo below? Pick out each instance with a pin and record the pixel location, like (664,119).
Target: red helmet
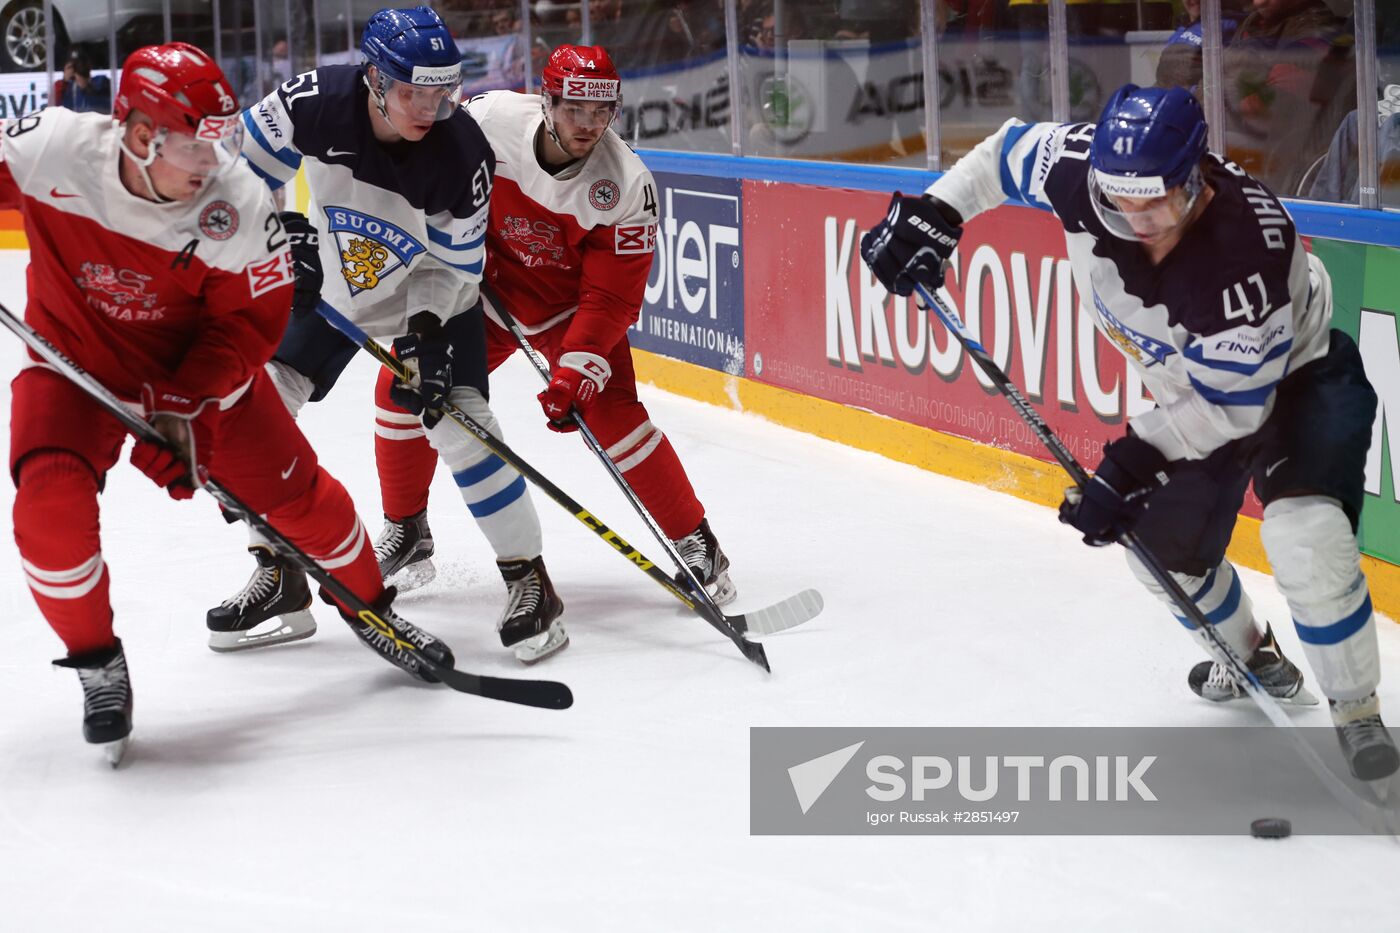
(179,87)
(582,72)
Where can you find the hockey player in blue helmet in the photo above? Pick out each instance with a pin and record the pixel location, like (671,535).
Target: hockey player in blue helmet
(412,68)
(1195,271)
(400,179)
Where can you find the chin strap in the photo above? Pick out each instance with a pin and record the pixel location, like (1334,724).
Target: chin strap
(377,96)
(143,164)
(549,124)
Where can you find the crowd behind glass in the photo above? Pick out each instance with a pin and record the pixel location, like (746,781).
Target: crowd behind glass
(834,80)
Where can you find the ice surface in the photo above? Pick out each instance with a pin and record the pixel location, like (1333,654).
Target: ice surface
(313,787)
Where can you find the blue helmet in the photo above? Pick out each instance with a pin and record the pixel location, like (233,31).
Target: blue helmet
(412,47)
(1148,141)
(399,41)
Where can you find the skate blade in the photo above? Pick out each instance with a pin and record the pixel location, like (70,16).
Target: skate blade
(722,592)
(294,626)
(1303,697)
(116,751)
(411,576)
(528,654)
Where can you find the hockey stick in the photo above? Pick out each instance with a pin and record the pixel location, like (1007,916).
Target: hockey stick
(1219,649)
(541,693)
(765,621)
(732,627)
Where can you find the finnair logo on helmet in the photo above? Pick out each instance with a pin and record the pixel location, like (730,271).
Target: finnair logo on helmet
(590,88)
(1128,186)
(436,76)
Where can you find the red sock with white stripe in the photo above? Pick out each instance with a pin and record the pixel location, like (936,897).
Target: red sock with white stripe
(322,522)
(649,462)
(405,459)
(56,528)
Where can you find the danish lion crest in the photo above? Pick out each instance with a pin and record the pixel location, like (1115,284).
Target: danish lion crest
(364,260)
(539,237)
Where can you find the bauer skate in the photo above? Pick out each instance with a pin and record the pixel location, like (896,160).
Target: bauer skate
(106,698)
(530,623)
(404,550)
(1366,744)
(1275,673)
(276,593)
(701,552)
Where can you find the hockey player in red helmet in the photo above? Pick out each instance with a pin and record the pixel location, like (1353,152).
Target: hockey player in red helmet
(160,266)
(180,117)
(568,251)
(581,92)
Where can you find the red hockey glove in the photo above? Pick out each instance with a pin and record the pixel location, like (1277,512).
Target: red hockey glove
(575,383)
(186,425)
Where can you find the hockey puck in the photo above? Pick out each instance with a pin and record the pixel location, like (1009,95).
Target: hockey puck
(1271,828)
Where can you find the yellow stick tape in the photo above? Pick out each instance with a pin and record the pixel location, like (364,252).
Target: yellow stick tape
(1001,470)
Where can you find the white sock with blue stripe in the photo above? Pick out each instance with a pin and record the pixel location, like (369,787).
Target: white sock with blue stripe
(1317,566)
(494,492)
(1221,599)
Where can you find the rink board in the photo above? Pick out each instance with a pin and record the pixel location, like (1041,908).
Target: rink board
(808,325)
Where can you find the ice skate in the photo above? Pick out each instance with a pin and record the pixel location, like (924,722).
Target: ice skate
(530,623)
(271,609)
(701,552)
(404,551)
(1366,744)
(106,698)
(1277,675)
(399,641)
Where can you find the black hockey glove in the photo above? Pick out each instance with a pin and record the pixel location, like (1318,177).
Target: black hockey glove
(911,243)
(1115,496)
(427,356)
(306,262)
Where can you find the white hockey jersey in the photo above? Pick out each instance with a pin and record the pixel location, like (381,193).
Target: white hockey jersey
(575,246)
(1228,313)
(402,223)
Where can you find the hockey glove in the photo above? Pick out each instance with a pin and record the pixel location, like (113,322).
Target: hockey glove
(187,428)
(427,356)
(911,244)
(306,262)
(1114,498)
(575,383)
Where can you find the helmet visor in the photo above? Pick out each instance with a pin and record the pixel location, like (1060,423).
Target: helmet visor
(423,101)
(1141,209)
(597,115)
(209,151)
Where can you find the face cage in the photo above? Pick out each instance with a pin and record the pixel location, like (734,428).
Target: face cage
(198,156)
(1117,221)
(416,103)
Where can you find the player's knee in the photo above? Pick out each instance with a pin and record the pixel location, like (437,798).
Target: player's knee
(1189,582)
(57,489)
(295,388)
(456,445)
(1311,548)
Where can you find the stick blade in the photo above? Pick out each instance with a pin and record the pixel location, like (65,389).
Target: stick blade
(544,694)
(781,616)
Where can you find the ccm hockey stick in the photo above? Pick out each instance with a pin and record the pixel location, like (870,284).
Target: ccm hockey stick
(761,622)
(735,628)
(1365,811)
(545,694)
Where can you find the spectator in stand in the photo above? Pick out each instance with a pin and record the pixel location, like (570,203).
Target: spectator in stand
(78,90)
(1290,79)
(1180,64)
